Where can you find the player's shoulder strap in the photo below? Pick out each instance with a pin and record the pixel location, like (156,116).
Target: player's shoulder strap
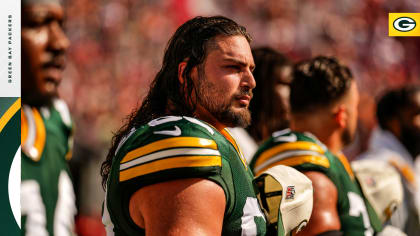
(166,148)
(292,149)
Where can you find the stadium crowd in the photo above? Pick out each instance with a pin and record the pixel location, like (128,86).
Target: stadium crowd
(117,48)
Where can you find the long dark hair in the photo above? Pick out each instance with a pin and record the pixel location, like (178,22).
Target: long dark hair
(167,95)
(268,112)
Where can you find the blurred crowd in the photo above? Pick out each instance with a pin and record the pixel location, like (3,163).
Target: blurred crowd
(117,47)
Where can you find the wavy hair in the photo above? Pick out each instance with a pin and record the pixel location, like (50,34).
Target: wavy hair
(318,82)
(267,109)
(167,95)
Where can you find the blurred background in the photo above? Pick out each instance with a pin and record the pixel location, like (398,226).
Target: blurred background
(117,48)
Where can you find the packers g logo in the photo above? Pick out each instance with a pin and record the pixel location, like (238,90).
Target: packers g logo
(404,24)
(10,118)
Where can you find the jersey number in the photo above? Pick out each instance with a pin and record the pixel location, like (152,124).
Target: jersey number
(33,207)
(357,208)
(251,210)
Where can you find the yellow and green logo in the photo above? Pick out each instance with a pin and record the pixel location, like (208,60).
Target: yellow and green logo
(404,24)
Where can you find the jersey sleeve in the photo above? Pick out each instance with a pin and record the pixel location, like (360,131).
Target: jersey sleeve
(302,155)
(171,151)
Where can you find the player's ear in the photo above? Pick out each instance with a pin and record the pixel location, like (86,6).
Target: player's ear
(340,116)
(181,69)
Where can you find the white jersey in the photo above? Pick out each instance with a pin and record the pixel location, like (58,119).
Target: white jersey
(384,146)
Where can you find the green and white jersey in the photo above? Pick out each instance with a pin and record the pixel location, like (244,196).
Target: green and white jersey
(47,195)
(174,147)
(305,152)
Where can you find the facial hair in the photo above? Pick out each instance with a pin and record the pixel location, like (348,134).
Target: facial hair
(210,97)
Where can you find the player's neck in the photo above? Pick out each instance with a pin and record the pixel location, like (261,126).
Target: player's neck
(334,143)
(322,130)
(206,116)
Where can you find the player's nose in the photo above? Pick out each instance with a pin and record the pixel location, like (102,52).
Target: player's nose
(248,79)
(57,38)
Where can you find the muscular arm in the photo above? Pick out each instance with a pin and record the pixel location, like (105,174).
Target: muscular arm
(179,207)
(324,214)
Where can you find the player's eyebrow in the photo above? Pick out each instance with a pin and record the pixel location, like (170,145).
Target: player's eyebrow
(36,13)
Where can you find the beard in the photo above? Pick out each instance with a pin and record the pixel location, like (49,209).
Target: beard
(214,100)
(410,138)
(35,99)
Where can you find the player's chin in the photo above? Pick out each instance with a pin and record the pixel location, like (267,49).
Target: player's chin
(49,93)
(50,86)
(242,117)
(242,111)
(48,99)
(38,98)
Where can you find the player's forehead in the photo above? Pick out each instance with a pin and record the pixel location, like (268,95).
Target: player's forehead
(40,11)
(230,48)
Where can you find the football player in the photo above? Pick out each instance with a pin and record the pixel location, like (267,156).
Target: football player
(397,141)
(323,100)
(47,196)
(174,169)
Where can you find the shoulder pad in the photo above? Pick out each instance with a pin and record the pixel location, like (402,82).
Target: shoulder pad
(61,107)
(33,133)
(292,154)
(168,144)
(63,110)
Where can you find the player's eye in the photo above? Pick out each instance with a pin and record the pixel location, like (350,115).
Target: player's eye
(34,23)
(37,22)
(233,67)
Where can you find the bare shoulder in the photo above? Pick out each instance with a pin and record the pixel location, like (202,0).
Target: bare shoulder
(179,207)
(321,181)
(324,216)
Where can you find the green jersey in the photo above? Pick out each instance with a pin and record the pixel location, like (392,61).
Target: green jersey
(47,195)
(306,153)
(175,147)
